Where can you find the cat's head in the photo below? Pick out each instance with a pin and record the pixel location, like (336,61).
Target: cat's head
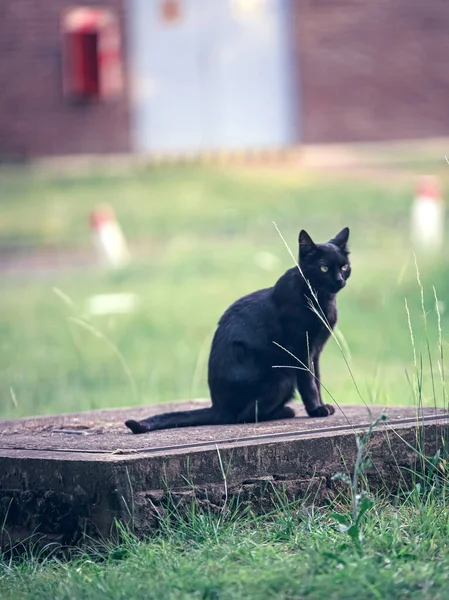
(326,266)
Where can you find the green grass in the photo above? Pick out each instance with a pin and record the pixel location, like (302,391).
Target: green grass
(294,553)
(198,235)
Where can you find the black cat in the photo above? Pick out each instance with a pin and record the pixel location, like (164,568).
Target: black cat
(262,336)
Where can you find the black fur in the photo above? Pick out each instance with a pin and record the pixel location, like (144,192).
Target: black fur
(250,376)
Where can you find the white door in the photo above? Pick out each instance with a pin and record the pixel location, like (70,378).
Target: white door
(210,74)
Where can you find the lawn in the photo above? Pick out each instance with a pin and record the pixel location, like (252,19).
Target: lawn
(202,237)
(296,553)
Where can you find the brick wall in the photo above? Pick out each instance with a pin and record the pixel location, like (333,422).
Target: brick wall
(367,70)
(372,69)
(35,119)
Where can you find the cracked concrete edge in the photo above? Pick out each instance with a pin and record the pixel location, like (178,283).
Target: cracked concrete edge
(121,455)
(65,500)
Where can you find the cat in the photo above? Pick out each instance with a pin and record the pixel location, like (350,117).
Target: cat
(268,344)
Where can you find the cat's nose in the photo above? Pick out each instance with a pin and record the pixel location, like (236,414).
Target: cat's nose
(342,283)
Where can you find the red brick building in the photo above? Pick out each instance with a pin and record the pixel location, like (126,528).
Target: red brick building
(373,70)
(35,117)
(212,74)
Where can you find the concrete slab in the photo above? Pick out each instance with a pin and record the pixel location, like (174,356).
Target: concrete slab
(65,476)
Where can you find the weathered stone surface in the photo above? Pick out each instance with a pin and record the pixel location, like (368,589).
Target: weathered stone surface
(62,486)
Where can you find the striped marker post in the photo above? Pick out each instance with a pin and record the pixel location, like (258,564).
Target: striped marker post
(428,214)
(108,238)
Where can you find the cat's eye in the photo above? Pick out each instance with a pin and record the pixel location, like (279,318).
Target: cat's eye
(345,267)
(324,268)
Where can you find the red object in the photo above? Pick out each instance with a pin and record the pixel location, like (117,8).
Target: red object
(83,64)
(171,11)
(429,188)
(101,216)
(92,57)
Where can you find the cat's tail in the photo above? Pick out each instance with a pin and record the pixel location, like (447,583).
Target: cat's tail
(182,418)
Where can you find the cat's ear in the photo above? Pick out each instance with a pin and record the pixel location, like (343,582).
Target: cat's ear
(306,244)
(341,239)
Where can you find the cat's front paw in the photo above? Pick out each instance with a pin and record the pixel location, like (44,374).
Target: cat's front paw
(325,410)
(138,426)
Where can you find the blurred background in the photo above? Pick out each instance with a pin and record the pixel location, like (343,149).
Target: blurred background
(148,146)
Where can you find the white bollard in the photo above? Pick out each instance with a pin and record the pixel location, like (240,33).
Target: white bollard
(428,212)
(108,238)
